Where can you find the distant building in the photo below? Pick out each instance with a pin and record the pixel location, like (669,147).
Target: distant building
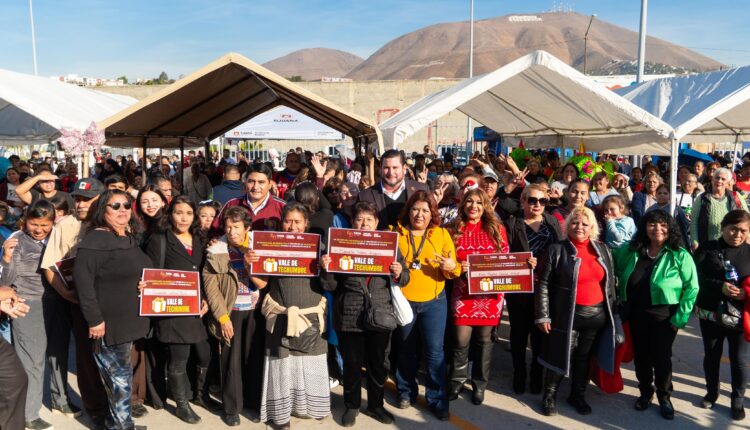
(75,79)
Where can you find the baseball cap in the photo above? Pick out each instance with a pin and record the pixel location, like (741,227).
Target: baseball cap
(88,188)
(490,174)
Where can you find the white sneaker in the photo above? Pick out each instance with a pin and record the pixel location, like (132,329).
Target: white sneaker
(333,382)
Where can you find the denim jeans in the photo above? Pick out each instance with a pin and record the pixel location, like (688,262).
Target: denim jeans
(428,327)
(5,329)
(117,375)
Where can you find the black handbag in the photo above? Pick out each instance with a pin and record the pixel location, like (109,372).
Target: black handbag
(730,314)
(377,318)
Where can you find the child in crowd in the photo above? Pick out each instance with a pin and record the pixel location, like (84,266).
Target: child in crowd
(619,228)
(207,211)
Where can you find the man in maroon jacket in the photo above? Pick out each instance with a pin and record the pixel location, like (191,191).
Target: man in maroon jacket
(264,208)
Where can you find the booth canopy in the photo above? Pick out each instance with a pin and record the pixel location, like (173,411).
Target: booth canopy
(702,108)
(33,109)
(283,123)
(218,98)
(540,96)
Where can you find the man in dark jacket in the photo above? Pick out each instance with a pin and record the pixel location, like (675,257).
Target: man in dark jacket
(231,187)
(391,194)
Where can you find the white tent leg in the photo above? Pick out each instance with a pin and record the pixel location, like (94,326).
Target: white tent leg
(736,151)
(673,176)
(561,145)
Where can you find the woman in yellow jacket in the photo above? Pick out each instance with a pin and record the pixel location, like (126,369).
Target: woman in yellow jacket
(431,258)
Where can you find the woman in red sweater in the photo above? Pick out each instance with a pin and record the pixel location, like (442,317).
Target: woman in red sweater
(575,298)
(476,230)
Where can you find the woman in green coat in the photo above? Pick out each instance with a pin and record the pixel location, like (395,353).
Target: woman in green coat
(658,285)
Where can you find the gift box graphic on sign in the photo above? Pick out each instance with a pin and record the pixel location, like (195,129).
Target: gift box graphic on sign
(486,284)
(270,265)
(346,263)
(159,305)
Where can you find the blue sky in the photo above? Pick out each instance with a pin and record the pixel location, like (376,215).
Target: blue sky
(140,38)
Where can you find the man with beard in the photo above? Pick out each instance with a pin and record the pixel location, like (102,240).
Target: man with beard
(285,178)
(391,194)
(62,244)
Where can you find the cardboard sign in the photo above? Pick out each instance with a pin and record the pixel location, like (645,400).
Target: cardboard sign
(362,252)
(65,269)
(170,293)
(500,273)
(285,254)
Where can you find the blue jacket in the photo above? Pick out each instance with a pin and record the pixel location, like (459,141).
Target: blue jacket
(228,190)
(619,232)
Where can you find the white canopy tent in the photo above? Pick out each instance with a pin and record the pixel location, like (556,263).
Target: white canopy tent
(283,123)
(704,108)
(33,109)
(545,101)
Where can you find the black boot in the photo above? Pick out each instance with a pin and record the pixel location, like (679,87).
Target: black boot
(549,398)
(579,382)
(480,371)
(458,371)
(178,385)
(665,407)
(201,397)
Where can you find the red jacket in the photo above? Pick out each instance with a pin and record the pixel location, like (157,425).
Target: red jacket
(746,310)
(267,219)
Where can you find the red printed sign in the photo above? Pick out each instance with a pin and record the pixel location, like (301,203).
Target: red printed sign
(286,254)
(170,293)
(361,251)
(500,273)
(65,270)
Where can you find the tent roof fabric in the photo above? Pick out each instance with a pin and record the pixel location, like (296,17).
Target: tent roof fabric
(540,96)
(33,109)
(702,108)
(217,98)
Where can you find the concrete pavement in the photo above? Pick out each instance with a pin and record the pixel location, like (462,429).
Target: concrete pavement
(503,409)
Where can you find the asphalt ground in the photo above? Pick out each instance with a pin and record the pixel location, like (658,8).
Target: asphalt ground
(504,409)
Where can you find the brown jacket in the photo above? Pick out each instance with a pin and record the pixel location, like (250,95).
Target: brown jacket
(220,282)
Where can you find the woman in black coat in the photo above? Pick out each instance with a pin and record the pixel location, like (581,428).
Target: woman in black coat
(575,302)
(713,286)
(360,346)
(533,230)
(180,246)
(107,271)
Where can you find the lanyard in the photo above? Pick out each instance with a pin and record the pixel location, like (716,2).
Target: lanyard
(417,251)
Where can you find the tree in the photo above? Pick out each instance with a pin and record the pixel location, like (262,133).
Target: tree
(162,79)
(123,78)
(296,78)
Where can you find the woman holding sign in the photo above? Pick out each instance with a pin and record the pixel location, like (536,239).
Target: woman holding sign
(476,231)
(362,344)
(233,299)
(295,378)
(108,268)
(430,256)
(181,247)
(575,302)
(534,231)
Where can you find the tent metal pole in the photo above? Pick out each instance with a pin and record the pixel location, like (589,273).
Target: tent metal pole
(673,175)
(143,161)
(179,166)
(207,144)
(561,145)
(736,151)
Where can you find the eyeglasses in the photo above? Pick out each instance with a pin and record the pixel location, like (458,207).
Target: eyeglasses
(533,201)
(117,205)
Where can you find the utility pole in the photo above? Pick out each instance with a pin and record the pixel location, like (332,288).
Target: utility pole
(33,37)
(586,43)
(469,137)
(642,41)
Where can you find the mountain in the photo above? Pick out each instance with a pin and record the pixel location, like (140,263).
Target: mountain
(314,63)
(442,50)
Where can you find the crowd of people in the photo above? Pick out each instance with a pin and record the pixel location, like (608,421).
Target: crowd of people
(607,254)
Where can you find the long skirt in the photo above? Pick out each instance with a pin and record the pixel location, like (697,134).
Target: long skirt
(295,385)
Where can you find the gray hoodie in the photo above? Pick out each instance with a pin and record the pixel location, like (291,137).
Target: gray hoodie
(23,272)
